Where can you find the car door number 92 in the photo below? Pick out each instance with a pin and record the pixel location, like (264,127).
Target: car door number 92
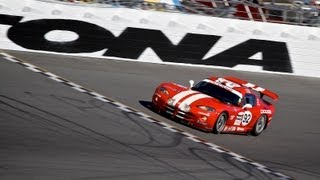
(243,118)
(246,118)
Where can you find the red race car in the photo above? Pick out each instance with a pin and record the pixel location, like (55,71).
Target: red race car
(217,105)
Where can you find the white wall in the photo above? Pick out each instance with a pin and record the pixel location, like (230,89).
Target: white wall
(303,43)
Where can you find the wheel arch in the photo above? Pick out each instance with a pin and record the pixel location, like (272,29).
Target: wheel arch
(267,119)
(227,113)
(254,131)
(215,122)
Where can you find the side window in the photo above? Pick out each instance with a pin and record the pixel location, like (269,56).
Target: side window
(250,99)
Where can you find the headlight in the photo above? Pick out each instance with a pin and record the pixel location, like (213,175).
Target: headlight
(164,90)
(170,102)
(207,108)
(186,108)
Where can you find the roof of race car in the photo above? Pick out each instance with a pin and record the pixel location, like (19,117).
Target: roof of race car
(230,86)
(227,86)
(240,87)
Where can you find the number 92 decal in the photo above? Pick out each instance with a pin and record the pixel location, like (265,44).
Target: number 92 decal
(243,118)
(246,118)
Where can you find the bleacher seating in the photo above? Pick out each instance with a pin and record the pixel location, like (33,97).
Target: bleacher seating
(300,12)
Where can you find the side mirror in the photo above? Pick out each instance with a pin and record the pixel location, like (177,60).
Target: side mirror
(247,106)
(191,82)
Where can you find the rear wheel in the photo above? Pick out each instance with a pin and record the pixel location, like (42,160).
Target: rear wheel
(220,123)
(260,125)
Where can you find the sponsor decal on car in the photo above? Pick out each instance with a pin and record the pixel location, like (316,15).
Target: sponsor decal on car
(264,111)
(240,129)
(229,128)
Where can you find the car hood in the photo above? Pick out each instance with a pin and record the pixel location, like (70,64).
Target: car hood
(193,98)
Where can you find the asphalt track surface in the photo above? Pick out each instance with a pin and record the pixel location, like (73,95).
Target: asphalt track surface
(51,131)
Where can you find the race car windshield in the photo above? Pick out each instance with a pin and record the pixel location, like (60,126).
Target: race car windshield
(217,92)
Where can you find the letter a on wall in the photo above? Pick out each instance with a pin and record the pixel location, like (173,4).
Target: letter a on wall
(275,55)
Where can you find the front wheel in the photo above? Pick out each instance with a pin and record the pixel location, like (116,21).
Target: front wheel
(260,125)
(220,123)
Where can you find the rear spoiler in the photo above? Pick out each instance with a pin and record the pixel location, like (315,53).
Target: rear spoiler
(261,90)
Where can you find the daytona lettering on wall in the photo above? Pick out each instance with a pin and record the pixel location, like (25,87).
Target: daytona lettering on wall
(132,42)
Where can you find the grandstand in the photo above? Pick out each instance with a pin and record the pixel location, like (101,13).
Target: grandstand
(297,12)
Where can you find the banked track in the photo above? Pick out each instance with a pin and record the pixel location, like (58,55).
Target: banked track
(50,131)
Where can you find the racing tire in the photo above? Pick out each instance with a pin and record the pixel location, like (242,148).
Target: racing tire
(220,123)
(260,125)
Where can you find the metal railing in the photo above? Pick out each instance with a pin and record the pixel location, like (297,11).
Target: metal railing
(253,10)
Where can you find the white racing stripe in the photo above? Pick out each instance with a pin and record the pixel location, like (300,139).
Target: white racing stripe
(181,95)
(254,87)
(192,99)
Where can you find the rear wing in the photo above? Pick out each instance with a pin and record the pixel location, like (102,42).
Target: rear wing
(261,90)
